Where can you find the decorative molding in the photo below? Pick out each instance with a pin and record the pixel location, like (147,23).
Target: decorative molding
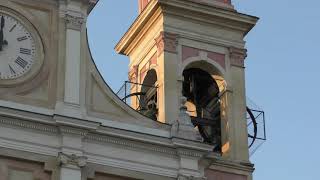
(131,144)
(28,125)
(237,56)
(73,19)
(187,148)
(65,160)
(191,153)
(220,162)
(183,177)
(167,42)
(73,131)
(124,164)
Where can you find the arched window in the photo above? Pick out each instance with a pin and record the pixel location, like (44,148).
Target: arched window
(203,102)
(149,102)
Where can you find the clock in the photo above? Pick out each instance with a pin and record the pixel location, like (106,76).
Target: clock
(21,51)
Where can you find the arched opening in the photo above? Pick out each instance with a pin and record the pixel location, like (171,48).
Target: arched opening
(202,91)
(149,102)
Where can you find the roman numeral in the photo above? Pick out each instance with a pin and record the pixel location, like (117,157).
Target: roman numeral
(22,38)
(14,26)
(21,62)
(11,70)
(25,51)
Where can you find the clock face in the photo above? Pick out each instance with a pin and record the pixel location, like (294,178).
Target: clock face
(18,47)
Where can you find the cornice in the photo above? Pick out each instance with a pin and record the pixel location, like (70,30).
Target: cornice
(28,125)
(218,161)
(203,38)
(152,11)
(73,131)
(182,177)
(132,144)
(75,122)
(209,14)
(187,9)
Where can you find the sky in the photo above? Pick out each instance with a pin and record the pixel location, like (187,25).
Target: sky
(282,76)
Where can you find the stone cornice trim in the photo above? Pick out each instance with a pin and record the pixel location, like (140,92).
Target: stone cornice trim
(229,164)
(77,123)
(133,166)
(217,16)
(182,177)
(132,144)
(24,107)
(28,147)
(73,131)
(29,125)
(214,15)
(190,153)
(152,11)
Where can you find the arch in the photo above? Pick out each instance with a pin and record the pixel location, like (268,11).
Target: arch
(211,69)
(203,104)
(150,99)
(150,79)
(203,58)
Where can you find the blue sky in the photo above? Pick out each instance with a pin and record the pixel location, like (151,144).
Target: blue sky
(282,76)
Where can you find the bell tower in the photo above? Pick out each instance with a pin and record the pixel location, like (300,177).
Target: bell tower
(194,49)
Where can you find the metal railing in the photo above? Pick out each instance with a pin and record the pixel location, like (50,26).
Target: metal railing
(256,126)
(136,95)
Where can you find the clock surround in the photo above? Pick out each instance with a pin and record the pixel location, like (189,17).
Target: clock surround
(25,50)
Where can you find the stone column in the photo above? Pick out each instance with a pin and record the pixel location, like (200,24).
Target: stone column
(237,122)
(71,166)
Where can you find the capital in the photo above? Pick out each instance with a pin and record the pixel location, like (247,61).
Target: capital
(237,56)
(183,177)
(167,42)
(73,19)
(78,161)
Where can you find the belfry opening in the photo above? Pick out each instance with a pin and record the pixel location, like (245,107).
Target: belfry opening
(149,99)
(203,104)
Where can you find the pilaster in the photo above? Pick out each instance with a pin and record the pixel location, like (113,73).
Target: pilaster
(74,20)
(190,148)
(71,157)
(238,123)
(71,166)
(167,44)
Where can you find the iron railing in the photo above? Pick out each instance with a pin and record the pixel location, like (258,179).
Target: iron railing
(136,95)
(256,126)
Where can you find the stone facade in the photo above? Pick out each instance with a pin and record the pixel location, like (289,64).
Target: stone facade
(65,123)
